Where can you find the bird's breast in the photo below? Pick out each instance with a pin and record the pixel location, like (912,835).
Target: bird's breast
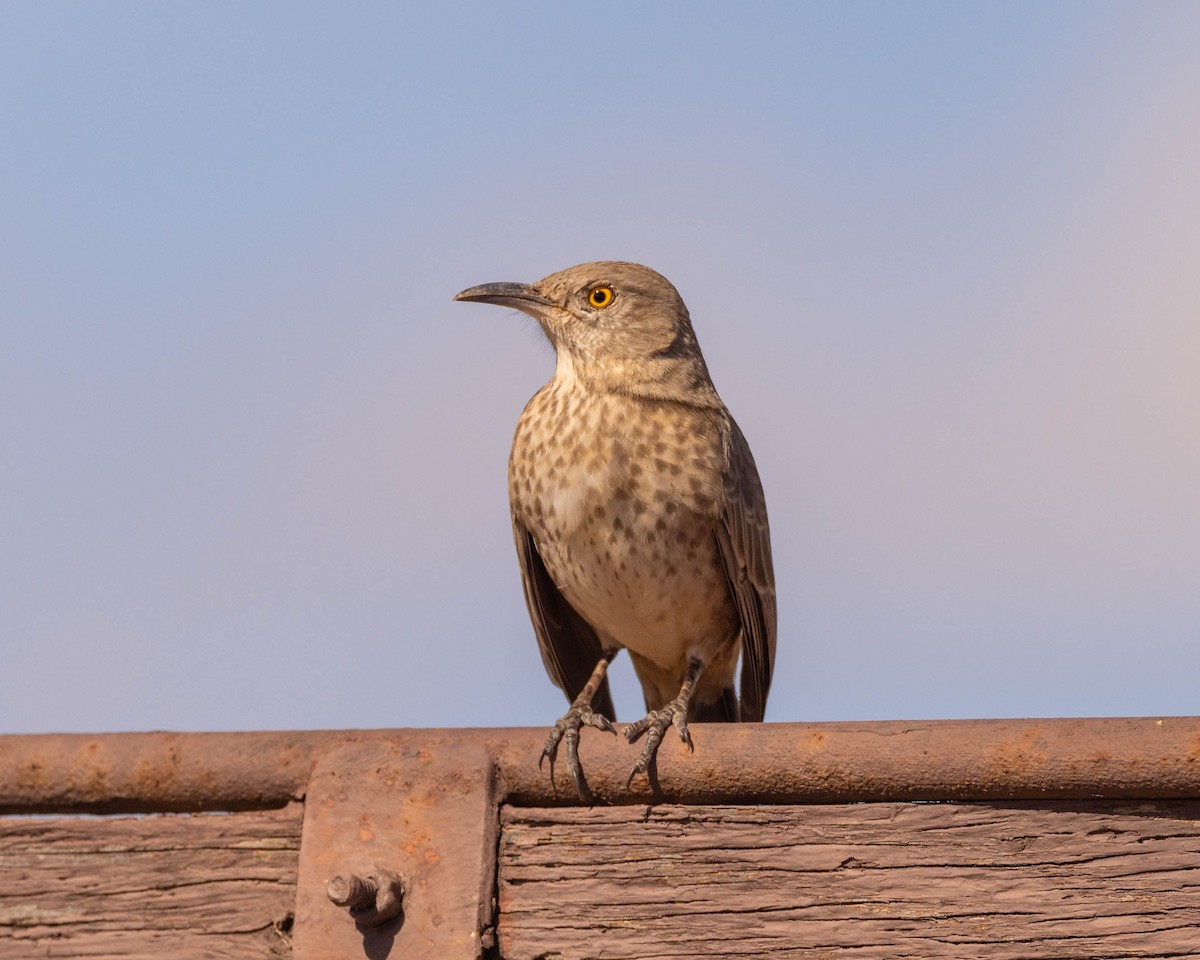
(621,497)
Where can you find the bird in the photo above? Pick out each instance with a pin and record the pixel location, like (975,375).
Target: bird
(637,513)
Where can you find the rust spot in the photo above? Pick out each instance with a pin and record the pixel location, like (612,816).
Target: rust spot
(813,740)
(97,780)
(1021,754)
(153,775)
(32,776)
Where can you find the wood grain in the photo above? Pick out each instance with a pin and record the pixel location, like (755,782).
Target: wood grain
(208,885)
(883,881)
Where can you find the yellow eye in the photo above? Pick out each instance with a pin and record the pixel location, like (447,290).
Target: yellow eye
(601,297)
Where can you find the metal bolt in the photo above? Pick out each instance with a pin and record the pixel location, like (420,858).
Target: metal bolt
(351,890)
(371,900)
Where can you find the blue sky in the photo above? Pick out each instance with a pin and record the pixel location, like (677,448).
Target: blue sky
(942,259)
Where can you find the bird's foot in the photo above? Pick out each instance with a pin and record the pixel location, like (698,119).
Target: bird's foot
(566,730)
(655,725)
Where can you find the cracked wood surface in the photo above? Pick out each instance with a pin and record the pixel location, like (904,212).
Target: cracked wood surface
(873,881)
(209,885)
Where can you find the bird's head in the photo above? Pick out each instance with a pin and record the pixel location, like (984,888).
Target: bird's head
(615,326)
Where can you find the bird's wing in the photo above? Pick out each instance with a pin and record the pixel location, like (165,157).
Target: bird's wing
(745,543)
(570,648)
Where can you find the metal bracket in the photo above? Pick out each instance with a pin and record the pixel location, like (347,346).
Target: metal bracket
(420,805)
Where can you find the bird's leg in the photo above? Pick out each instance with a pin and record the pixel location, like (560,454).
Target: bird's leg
(566,728)
(656,723)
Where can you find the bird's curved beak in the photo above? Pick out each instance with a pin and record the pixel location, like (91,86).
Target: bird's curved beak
(519,295)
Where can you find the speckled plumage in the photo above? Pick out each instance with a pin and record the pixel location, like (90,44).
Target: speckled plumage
(620,495)
(637,510)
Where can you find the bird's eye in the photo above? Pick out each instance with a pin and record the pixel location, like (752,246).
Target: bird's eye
(600,297)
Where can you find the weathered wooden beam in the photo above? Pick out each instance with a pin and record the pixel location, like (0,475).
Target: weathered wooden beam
(145,888)
(880,881)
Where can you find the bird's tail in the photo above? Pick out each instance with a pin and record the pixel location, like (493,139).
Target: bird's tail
(722,710)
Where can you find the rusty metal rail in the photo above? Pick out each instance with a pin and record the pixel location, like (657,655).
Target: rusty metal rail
(740,763)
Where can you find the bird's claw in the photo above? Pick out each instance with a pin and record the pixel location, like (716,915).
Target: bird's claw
(655,725)
(566,730)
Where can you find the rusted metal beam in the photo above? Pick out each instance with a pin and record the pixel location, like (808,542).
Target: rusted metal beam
(735,763)
(155,772)
(897,760)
